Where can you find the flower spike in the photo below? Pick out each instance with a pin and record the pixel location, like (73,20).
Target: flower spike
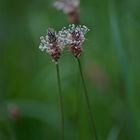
(76,38)
(52,44)
(70,8)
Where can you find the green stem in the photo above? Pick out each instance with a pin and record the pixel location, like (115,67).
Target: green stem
(61,101)
(87,101)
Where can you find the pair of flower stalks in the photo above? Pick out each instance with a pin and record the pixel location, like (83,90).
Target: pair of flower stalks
(54,43)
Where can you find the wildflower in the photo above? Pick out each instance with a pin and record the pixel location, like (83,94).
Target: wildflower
(66,5)
(76,38)
(52,44)
(70,8)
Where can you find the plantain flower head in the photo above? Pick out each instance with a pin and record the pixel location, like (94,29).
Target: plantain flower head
(53,44)
(66,6)
(76,38)
(70,8)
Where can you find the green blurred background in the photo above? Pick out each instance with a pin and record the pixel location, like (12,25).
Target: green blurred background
(29,105)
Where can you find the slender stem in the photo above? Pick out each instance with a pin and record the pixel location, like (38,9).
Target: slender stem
(88,102)
(61,101)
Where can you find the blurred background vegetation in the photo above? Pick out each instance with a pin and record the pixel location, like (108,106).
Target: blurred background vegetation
(29,107)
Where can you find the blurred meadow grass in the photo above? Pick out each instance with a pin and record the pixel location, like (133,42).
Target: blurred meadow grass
(29,107)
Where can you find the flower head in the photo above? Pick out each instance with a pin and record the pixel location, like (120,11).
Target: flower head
(70,8)
(53,44)
(76,38)
(66,5)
